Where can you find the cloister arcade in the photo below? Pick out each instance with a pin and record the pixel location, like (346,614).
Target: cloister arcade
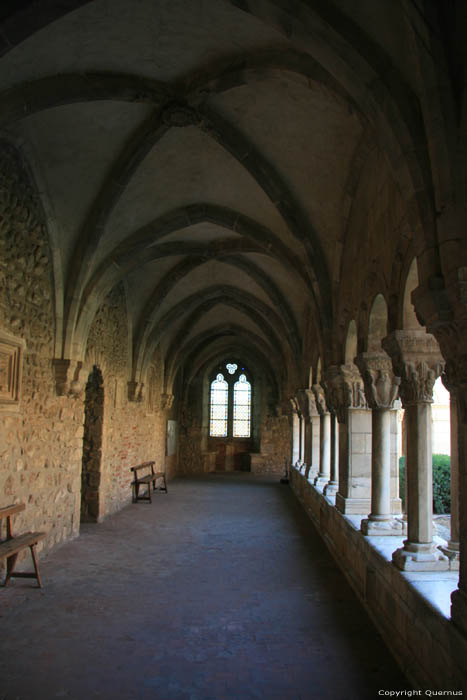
(191,184)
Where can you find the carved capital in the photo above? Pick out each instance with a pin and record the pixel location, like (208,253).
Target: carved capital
(455,381)
(311,401)
(344,389)
(166,401)
(416,359)
(306,403)
(320,399)
(381,385)
(69,377)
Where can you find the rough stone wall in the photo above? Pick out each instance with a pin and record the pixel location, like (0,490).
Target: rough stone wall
(133,432)
(275,446)
(191,459)
(41,443)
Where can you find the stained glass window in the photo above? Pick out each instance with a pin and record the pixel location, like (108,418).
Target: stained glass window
(242,407)
(219,407)
(230,403)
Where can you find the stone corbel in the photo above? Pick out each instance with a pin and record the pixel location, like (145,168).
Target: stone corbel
(135,391)
(381,385)
(306,403)
(166,401)
(417,360)
(69,377)
(293,406)
(320,399)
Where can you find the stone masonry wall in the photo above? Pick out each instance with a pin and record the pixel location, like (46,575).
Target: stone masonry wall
(41,442)
(133,431)
(275,448)
(41,439)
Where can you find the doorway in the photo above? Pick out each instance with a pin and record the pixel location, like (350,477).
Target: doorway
(92,447)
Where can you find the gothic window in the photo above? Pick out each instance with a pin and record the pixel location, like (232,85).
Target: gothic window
(219,407)
(230,403)
(241,407)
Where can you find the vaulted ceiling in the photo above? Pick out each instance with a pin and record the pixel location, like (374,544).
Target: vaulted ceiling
(198,151)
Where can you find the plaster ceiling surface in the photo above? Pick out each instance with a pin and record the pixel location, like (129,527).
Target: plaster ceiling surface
(230,173)
(220,318)
(215,273)
(187,167)
(225,315)
(290,285)
(163,40)
(204,232)
(308,134)
(74,146)
(140,283)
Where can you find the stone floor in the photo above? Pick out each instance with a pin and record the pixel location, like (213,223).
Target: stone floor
(220,589)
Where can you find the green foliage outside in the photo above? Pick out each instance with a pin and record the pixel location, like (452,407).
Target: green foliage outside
(441,483)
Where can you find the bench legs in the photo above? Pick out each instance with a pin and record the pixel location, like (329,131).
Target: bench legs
(137,497)
(148,497)
(161,488)
(10,568)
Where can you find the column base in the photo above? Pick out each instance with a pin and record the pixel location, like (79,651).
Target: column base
(320,482)
(415,556)
(453,554)
(330,489)
(380,528)
(459,609)
(403,521)
(352,506)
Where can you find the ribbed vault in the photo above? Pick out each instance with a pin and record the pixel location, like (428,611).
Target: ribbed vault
(206,155)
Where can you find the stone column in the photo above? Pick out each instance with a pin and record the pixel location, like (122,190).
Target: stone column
(452,551)
(417,360)
(295,433)
(314,437)
(307,406)
(444,312)
(381,389)
(331,487)
(347,397)
(459,597)
(302,442)
(324,438)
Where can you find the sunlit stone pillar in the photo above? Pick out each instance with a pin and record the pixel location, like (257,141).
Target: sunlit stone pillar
(459,597)
(324,437)
(452,551)
(331,487)
(315,437)
(354,443)
(307,406)
(416,358)
(381,389)
(295,425)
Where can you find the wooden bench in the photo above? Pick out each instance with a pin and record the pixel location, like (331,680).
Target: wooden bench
(150,477)
(12,546)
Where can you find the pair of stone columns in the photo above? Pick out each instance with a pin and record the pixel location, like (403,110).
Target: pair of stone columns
(327,477)
(381,391)
(416,359)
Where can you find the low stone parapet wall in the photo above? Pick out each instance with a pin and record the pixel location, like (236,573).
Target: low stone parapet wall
(429,648)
